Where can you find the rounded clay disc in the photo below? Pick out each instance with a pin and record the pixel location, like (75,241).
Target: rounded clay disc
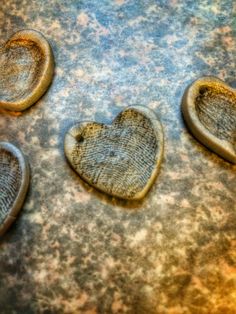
(14,182)
(209,110)
(121,159)
(26,70)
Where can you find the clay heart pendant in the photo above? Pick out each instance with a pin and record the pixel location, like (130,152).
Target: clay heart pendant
(209,109)
(26,70)
(14,182)
(121,159)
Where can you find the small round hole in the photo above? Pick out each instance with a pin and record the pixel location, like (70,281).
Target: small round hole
(80,139)
(112,154)
(203,90)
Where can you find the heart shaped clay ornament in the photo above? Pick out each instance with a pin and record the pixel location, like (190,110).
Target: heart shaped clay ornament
(26,70)
(209,110)
(121,159)
(14,182)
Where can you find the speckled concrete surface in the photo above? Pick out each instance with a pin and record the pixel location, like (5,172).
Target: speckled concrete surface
(75,250)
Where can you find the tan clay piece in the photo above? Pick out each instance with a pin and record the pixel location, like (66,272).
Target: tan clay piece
(14,182)
(209,109)
(121,159)
(26,70)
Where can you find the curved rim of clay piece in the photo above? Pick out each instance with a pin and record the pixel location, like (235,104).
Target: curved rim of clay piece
(19,200)
(45,77)
(221,147)
(74,132)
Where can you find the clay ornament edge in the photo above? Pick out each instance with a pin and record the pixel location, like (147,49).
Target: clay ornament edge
(221,147)
(46,75)
(19,200)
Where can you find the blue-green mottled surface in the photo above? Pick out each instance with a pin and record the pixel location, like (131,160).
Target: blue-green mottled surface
(74,250)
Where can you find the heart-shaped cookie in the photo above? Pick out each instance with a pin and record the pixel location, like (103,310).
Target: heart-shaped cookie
(121,159)
(26,70)
(209,109)
(14,182)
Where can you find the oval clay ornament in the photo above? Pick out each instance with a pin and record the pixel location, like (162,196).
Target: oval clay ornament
(14,182)
(121,159)
(26,70)
(209,110)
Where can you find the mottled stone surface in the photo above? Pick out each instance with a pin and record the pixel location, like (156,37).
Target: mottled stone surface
(75,250)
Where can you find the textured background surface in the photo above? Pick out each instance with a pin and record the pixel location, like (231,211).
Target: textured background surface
(74,250)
